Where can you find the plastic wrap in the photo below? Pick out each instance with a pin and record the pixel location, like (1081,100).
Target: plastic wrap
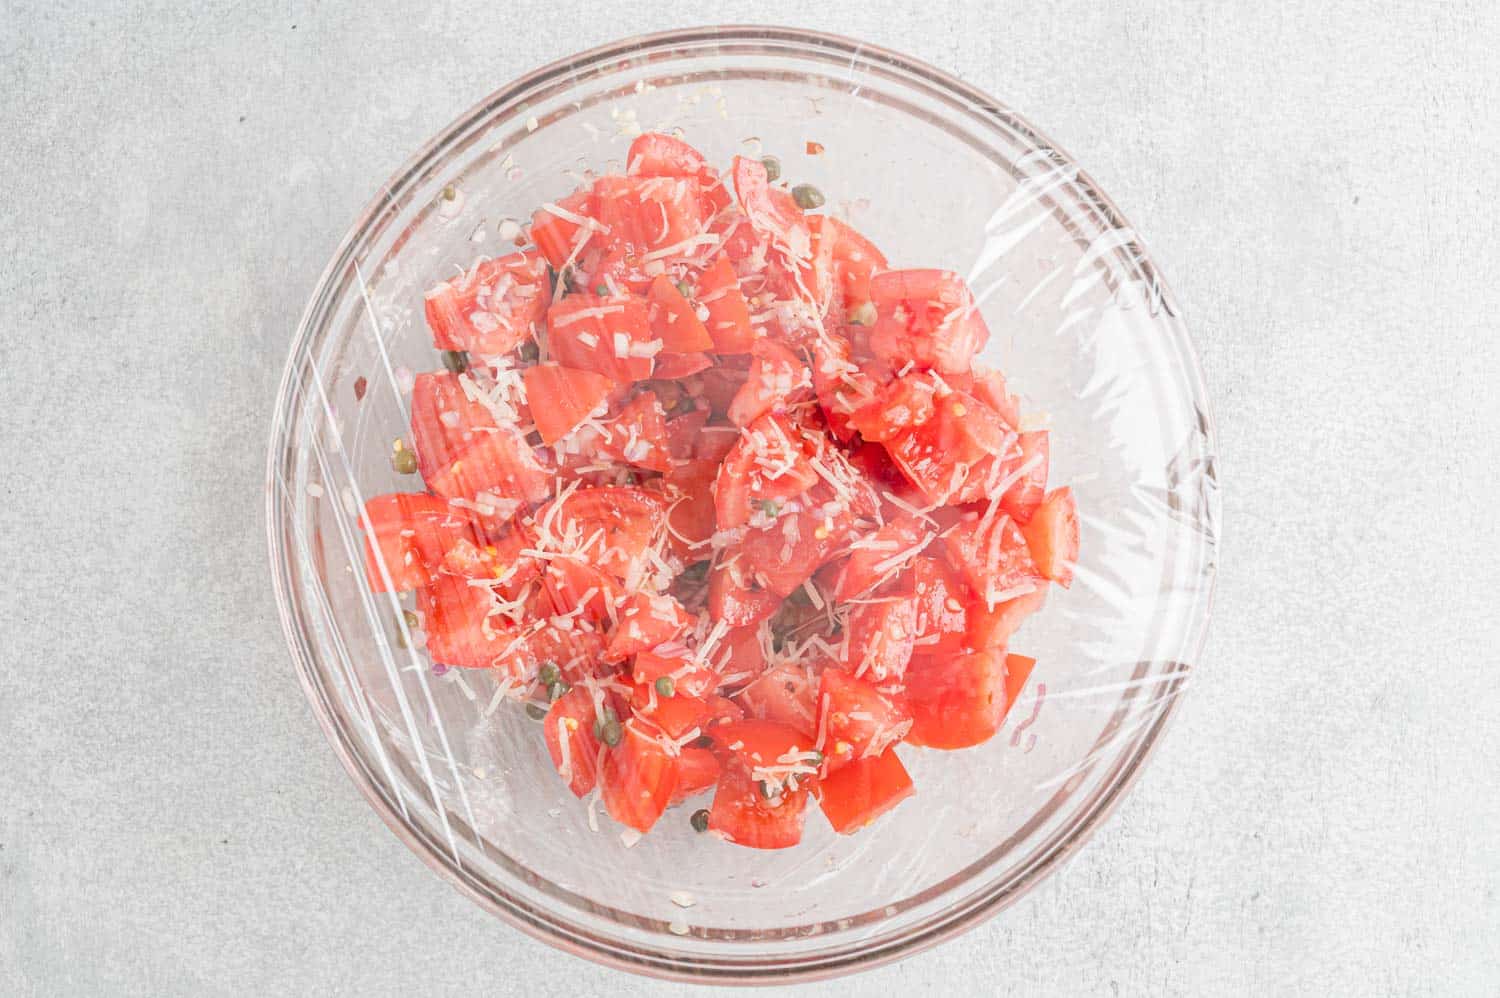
(938,175)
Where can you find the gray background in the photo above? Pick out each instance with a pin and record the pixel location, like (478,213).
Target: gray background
(1316,179)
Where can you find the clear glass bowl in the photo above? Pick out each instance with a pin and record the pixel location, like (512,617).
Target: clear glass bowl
(937,174)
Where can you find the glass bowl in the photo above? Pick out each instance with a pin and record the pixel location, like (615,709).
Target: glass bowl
(937,174)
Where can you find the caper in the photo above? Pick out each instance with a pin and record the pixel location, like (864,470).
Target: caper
(665,686)
(536,711)
(767,791)
(770,507)
(530,351)
(456,361)
(601,290)
(817,758)
(807,197)
(549,673)
(449,193)
(404,461)
(411,618)
(684,289)
(612,733)
(699,820)
(773,167)
(556,691)
(603,718)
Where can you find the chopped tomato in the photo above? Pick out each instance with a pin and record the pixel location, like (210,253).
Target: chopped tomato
(862,791)
(882,555)
(735,598)
(1052,536)
(739,655)
(578,589)
(882,634)
(841,386)
(611,528)
(648,213)
(785,553)
(741,813)
(412,533)
(855,259)
(769,461)
(638,435)
(956,701)
(942,600)
(778,378)
(675,663)
(857,719)
(690,516)
(926,316)
(565,395)
(675,321)
(499,466)
(653,154)
(445,420)
(645,621)
(460,628)
(697,770)
(683,432)
(609,335)
(989,387)
(1022,499)
(728,314)
(569,732)
(493,307)
(993,557)
(938,454)
(786,695)
(556,230)
(993,628)
(674,366)
(679,715)
(640,777)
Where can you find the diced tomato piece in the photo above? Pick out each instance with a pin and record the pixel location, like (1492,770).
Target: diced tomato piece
(778,378)
(938,455)
(460,631)
(989,387)
(569,732)
(412,534)
(841,386)
(609,335)
(1017,671)
(649,213)
(881,555)
(942,600)
(742,814)
(690,678)
(739,655)
(445,421)
(956,701)
(674,320)
(612,528)
(855,259)
(728,313)
(638,435)
(653,154)
(683,431)
(574,585)
(874,462)
(678,715)
(555,234)
(992,556)
(577,652)
(769,461)
(735,598)
(500,465)
(1022,499)
(787,552)
(993,628)
(1052,536)
(563,397)
(926,316)
(675,366)
(882,636)
(640,778)
(857,719)
(697,770)
(715,443)
(492,308)
(690,517)
(786,695)
(862,791)
(767,747)
(900,408)
(646,620)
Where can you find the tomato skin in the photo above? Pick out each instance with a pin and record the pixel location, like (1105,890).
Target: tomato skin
(939,454)
(445,422)
(454,616)
(778,378)
(467,314)
(675,321)
(646,620)
(648,213)
(500,464)
(1052,536)
(943,601)
(675,660)
(570,585)
(836,397)
(697,770)
(690,515)
(784,564)
(957,702)
(993,628)
(859,721)
(571,718)
(926,316)
(581,331)
(678,715)
(565,397)
(786,695)
(728,320)
(741,815)
(639,779)
(989,387)
(855,259)
(881,638)
(628,518)
(653,154)
(683,432)
(1022,499)
(858,793)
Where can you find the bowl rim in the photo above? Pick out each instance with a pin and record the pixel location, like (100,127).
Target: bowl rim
(520,914)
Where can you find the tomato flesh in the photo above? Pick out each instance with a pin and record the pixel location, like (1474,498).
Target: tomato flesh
(862,791)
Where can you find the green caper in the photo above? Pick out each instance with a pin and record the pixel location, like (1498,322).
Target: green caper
(684,289)
(817,758)
(611,733)
(556,691)
(536,711)
(807,197)
(411,618)
(601,290)
(699,820)
(603,718)
(404,461)
(773,167)
(530,351)
(456,361)
(665,686)
(770,507)
(449,193)
(767,791)
(549,673)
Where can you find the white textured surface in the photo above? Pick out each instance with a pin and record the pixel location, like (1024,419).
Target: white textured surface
(1315,179)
